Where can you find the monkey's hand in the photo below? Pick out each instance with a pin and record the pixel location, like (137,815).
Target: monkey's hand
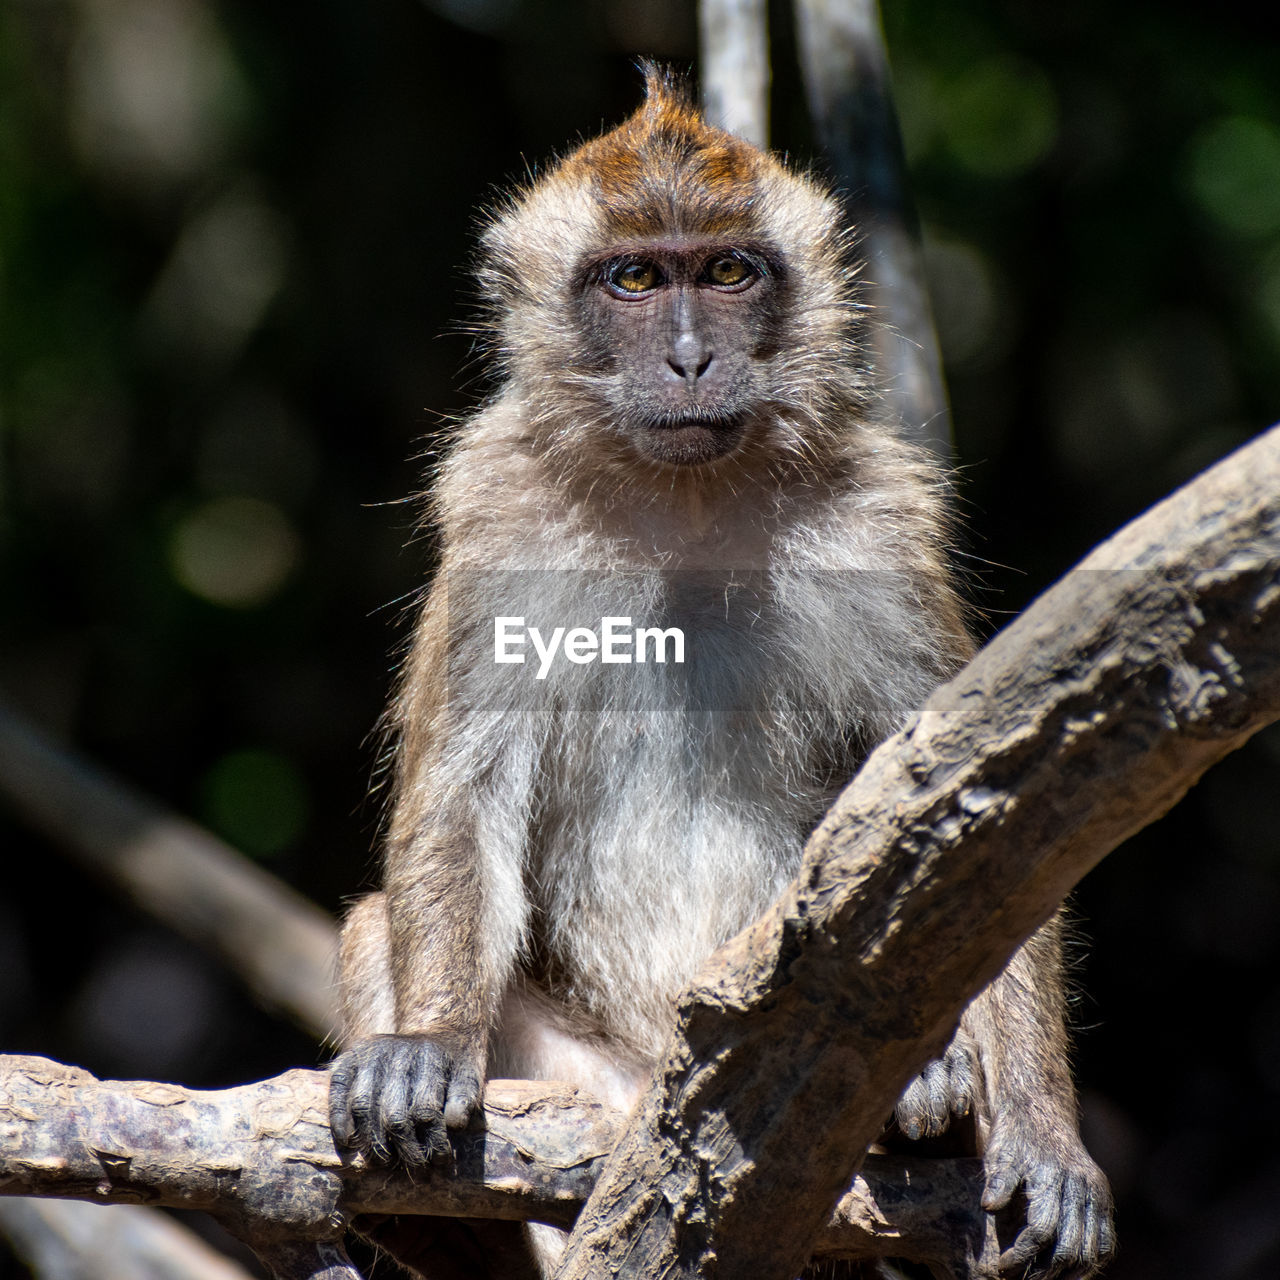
(1068,1233)
(944,1090)
(396,1095)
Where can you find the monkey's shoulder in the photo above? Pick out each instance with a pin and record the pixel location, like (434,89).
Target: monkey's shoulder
(491,491)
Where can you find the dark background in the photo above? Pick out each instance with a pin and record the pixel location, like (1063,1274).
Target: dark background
(233,294)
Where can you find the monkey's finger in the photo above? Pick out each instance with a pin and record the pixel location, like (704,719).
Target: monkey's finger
(1002,1183)
(1084,1232)
(363,1080)
(1023,1250)
(960,1079)
(910,1110)
(925,1109)
(1072,1223)
(341,1074)
(1043,1203)
(395,1132)
(464,1096)
(937,1097)
(1106,1231)
(1091,1237)
(426,1085)
(1099,1239)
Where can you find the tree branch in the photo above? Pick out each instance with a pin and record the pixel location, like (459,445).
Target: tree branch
(846,76)
(733,42)
(260,1158)
(70,1240)
(281,944)
(1085,719)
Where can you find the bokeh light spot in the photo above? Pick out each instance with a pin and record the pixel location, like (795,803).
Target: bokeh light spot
(1234,172)
(234,551)
(1001,116)
(256,799)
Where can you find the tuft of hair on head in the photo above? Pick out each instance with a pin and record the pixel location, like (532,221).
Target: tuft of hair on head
(669,102)
(664,87)
(666,169)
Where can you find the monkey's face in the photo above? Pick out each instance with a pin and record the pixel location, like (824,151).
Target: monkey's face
(680,332)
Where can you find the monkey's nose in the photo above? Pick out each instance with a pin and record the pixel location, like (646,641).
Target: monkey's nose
(689,359)
(690,373)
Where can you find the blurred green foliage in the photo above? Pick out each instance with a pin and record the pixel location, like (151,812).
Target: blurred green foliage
(255,799)
(233,299)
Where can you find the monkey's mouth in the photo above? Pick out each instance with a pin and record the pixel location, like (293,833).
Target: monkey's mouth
(692,437)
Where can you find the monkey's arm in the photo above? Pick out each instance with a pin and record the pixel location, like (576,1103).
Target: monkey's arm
(396,1088)
(421,974)
(1032,1143)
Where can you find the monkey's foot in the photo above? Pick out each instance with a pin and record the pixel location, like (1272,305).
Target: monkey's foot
(396,1095)
(1068,1232)
(944,1090)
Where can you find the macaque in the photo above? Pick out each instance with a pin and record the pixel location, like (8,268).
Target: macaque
(684,440)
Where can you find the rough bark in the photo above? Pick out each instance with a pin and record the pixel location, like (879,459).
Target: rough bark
(260,1157)
(1085,719)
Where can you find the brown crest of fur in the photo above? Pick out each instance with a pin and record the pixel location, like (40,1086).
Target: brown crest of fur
(665,169)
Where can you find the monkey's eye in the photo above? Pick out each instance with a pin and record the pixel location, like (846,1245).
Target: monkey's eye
(636,276)
(729,271)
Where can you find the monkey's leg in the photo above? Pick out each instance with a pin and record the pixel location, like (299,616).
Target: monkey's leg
(366,1000)
(1030,1133)
(540,1039)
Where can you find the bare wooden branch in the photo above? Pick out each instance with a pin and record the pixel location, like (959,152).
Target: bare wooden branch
(71,1240)
(261,1158)
(733,41)
(281,944)
(846,74)
(1084,720)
